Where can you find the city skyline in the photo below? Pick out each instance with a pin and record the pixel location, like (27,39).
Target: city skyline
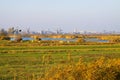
(86,15)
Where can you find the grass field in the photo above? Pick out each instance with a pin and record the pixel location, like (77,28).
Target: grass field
(20,61)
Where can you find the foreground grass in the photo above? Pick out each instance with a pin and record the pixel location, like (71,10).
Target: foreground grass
(101,69)
(22,62)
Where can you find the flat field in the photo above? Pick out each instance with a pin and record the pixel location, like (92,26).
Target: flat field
(19,61)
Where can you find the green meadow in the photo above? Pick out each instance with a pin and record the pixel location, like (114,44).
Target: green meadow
(30,61)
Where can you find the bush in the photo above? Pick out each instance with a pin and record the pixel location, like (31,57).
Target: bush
(4,38)
(18,39)
(100,69)
(116,40)
(80,40)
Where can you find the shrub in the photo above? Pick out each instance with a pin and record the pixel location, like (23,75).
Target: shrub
(80,40)
(18,39)
(100,69)
(4,38)
(116,40)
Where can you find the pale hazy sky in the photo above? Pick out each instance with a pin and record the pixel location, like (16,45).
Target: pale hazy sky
(90,15)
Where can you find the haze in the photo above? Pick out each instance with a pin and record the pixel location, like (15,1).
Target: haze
(89,15)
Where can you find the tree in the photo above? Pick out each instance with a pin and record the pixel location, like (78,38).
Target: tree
(3,35)
(3,32)
(11,30)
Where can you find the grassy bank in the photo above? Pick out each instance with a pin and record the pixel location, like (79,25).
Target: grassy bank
(24,62)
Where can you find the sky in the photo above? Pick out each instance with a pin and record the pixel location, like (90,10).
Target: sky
(82,15)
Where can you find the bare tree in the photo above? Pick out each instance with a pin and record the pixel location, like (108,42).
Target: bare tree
(3,32)
(11,30)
